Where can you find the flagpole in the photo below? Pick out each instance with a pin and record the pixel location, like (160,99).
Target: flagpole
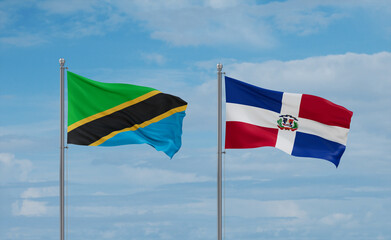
(62,147)
(219,152)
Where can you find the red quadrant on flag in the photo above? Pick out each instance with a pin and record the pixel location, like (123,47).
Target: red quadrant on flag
(324,111)
(244,135)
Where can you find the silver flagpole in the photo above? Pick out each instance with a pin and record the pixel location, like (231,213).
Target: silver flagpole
(62,68)
(219,152)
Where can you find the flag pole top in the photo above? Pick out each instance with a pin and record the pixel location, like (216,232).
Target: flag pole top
(62,61)
(219,67)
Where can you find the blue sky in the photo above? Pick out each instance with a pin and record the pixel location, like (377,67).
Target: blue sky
(339,50)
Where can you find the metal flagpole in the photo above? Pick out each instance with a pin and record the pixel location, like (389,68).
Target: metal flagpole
(62,147)
(219,152)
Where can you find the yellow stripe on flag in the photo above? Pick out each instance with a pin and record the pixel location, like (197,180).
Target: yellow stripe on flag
(137,126)
(112,110)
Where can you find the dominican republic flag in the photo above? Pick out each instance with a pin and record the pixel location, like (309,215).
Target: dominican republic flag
(299,124)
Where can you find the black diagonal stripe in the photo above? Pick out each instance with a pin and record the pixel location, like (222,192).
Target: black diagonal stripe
(125,118)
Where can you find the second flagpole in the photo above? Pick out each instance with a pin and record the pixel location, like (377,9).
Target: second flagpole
(219,152)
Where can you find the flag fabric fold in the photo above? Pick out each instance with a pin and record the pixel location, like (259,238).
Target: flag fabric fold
(299,124)
(112,114)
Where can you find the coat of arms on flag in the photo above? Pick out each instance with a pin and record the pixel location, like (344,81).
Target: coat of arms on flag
(287,122)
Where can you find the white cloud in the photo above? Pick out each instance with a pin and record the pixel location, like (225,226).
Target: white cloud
(201,111)
(12,169)
(222,3)
(190,23)
(3,19)
(200,207)
(215,22)
(24,136)
(145,228)
(23,40)
(32,128)
(93,25)
(154,58)
(154,177)
(247,208)
(109,234)
(336,219)
(54,19)
(29,208)
(72,6)
(301,18)
(361,77)
(243,208)
(119,166)
(40,192)
(108,211)
(100,194)
(366,189)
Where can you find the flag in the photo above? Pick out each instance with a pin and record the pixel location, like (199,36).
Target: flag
(299,124)
(112,114)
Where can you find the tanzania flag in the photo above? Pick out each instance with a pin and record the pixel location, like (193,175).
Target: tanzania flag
(112,114)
